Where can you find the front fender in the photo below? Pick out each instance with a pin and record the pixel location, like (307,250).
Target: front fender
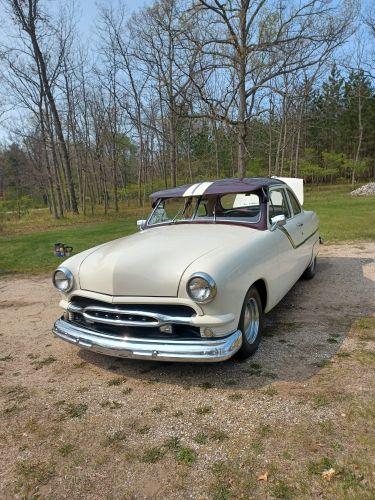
(234,273)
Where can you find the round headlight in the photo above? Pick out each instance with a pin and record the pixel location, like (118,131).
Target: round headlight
(201,288)
(63,279)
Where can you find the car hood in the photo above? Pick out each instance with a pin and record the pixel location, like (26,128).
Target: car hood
(151,263)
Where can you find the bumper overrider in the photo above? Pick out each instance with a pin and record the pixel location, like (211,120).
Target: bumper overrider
(194,350)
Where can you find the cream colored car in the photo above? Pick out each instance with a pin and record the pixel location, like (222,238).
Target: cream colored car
(195,282)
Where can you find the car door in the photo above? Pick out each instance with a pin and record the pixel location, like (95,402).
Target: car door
(287,239)
(298,227)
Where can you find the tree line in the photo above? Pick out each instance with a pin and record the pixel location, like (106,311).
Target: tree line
(180,91)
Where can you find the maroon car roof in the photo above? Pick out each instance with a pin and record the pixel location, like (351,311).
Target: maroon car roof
(235,185)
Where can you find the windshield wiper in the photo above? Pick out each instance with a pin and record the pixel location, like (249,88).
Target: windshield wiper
(181,211)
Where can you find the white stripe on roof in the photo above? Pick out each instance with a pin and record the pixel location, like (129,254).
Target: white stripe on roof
(202,188)
(191,189)
(197,189)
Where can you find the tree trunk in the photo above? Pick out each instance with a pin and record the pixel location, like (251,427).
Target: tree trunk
(46,84)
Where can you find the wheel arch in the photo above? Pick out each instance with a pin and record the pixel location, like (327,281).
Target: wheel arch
(261,286)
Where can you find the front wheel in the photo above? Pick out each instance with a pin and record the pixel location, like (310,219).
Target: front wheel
(251,324)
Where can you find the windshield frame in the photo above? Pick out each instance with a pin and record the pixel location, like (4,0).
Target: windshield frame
(211,219)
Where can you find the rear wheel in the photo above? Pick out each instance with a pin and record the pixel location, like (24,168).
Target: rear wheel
(310,271)
(251,324)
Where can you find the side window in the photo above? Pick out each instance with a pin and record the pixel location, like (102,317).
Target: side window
(202,209)
(278,204)
(295,205)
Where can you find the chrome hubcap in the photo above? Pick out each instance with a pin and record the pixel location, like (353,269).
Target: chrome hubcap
(251,320)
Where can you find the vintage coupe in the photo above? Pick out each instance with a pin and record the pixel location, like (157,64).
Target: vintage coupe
(195,282)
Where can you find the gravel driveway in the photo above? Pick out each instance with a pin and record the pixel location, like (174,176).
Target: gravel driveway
(81,425)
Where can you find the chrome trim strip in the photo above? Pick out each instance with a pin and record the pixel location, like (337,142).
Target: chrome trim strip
(73,308)
(282,228)
(157,319)
(197,350)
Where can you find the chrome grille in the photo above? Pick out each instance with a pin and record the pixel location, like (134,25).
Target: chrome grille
(129,315)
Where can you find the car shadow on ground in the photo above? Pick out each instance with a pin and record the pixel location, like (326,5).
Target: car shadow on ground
(301,334)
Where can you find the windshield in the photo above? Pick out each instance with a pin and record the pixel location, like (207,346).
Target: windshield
(242,207)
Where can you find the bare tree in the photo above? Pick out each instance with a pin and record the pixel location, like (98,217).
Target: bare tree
(29,17)
(247,45)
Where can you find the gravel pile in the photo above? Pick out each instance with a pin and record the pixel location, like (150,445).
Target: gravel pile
(366,190)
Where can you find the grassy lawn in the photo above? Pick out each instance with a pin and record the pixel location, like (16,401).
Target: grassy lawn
(342,217)
(27,245)
(33,252)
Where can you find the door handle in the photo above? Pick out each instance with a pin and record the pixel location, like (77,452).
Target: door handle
(300,224)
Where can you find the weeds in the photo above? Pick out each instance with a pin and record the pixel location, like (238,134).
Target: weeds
(282,490)
(219,436)
(186,455)
(18,393)
(34,474)
(203,410)
(320,400)
(76,410)
(343,354)
(201,438)
(111,405)
(11,410)
(265,430)
(158,408)
(317,467)
(236,396)
(144,430)
(322,363)
(6,358)
(254,369)
(270,391)
(172,443)
(257,447)
(66,449)
(332,340)
(326,426)
(116,381)
(82,390)
(81,364)
(115,438)
(43,362)
(152,455)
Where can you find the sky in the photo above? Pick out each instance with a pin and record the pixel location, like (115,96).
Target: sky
(89,11)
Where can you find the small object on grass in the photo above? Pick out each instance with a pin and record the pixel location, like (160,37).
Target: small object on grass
(62,250)
(328,474)
(263,477)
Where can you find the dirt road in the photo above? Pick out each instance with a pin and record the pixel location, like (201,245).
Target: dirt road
(75,424)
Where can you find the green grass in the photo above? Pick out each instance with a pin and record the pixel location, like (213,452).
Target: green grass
(27,245)
(342,217)
(33,252)
(186,455)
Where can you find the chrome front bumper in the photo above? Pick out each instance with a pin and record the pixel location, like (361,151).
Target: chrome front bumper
(197,350)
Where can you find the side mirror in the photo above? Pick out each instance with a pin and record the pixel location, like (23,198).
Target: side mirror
(277,221)
(141,224)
